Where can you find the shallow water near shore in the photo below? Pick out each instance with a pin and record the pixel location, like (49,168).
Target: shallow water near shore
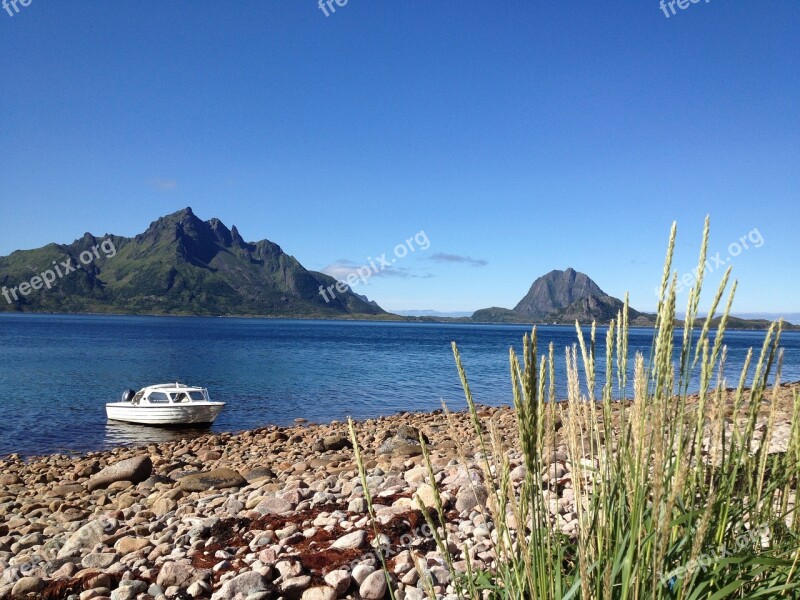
(58,371)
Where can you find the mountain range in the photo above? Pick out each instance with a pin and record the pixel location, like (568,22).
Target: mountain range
(180,265)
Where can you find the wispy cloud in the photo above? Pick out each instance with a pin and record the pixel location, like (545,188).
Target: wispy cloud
(162,184)
(458,258)
(344,267)
(340,269)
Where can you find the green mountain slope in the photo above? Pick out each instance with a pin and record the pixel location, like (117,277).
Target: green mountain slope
(180,265)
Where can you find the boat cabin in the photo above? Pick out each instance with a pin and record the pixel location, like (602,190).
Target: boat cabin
(170,394)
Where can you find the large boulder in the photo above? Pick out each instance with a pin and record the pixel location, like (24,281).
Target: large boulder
(135,470)
(218,478)
(411,433)
(87,537)
(404,442)
(336,442)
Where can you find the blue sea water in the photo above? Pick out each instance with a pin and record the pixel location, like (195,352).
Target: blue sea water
(58,371)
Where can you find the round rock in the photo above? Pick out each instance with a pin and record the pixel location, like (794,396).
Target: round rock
(135,470)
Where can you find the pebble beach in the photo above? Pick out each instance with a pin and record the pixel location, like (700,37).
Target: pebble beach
(275,512)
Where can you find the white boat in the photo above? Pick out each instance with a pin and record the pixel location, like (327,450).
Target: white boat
(166,404)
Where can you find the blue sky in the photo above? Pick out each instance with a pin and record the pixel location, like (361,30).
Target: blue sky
(520,137)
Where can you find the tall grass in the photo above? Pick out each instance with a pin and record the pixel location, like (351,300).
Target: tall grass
(676,495)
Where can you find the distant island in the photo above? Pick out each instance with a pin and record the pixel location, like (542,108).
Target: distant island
(563,297)
(182,265)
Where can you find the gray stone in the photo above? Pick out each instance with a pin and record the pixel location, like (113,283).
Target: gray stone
(129,544)
(151,481)
(97,580)
(467,498)
(350,541)
(294,586)
(398,444)
(464,477)
(336,442)
(27,585)
(259,473)
(32,539)
(374,586)
(427,495)
(361,572)
(339,580)
(244,584)
(99,560)
(357,506)
(163,505)
(129,589)
(87,537)
(176,573)
(289,568)
(413,593)
(408,450)
(135,470)
(272,505)
(65,571)
(197,589)
(410,433)
(137,585)
(218,478)
(123,593)
(440,575)
(519,473)
(320,592)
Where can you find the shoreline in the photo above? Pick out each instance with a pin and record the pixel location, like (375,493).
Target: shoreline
(299,422)
(395,318)
(283,482)
(270,511)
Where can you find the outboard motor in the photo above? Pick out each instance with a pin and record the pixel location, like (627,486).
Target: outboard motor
(128,395)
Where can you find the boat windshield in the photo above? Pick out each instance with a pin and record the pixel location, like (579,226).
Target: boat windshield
(197,396)
(157,397)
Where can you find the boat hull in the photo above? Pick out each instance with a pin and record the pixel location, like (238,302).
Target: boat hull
(171,415)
